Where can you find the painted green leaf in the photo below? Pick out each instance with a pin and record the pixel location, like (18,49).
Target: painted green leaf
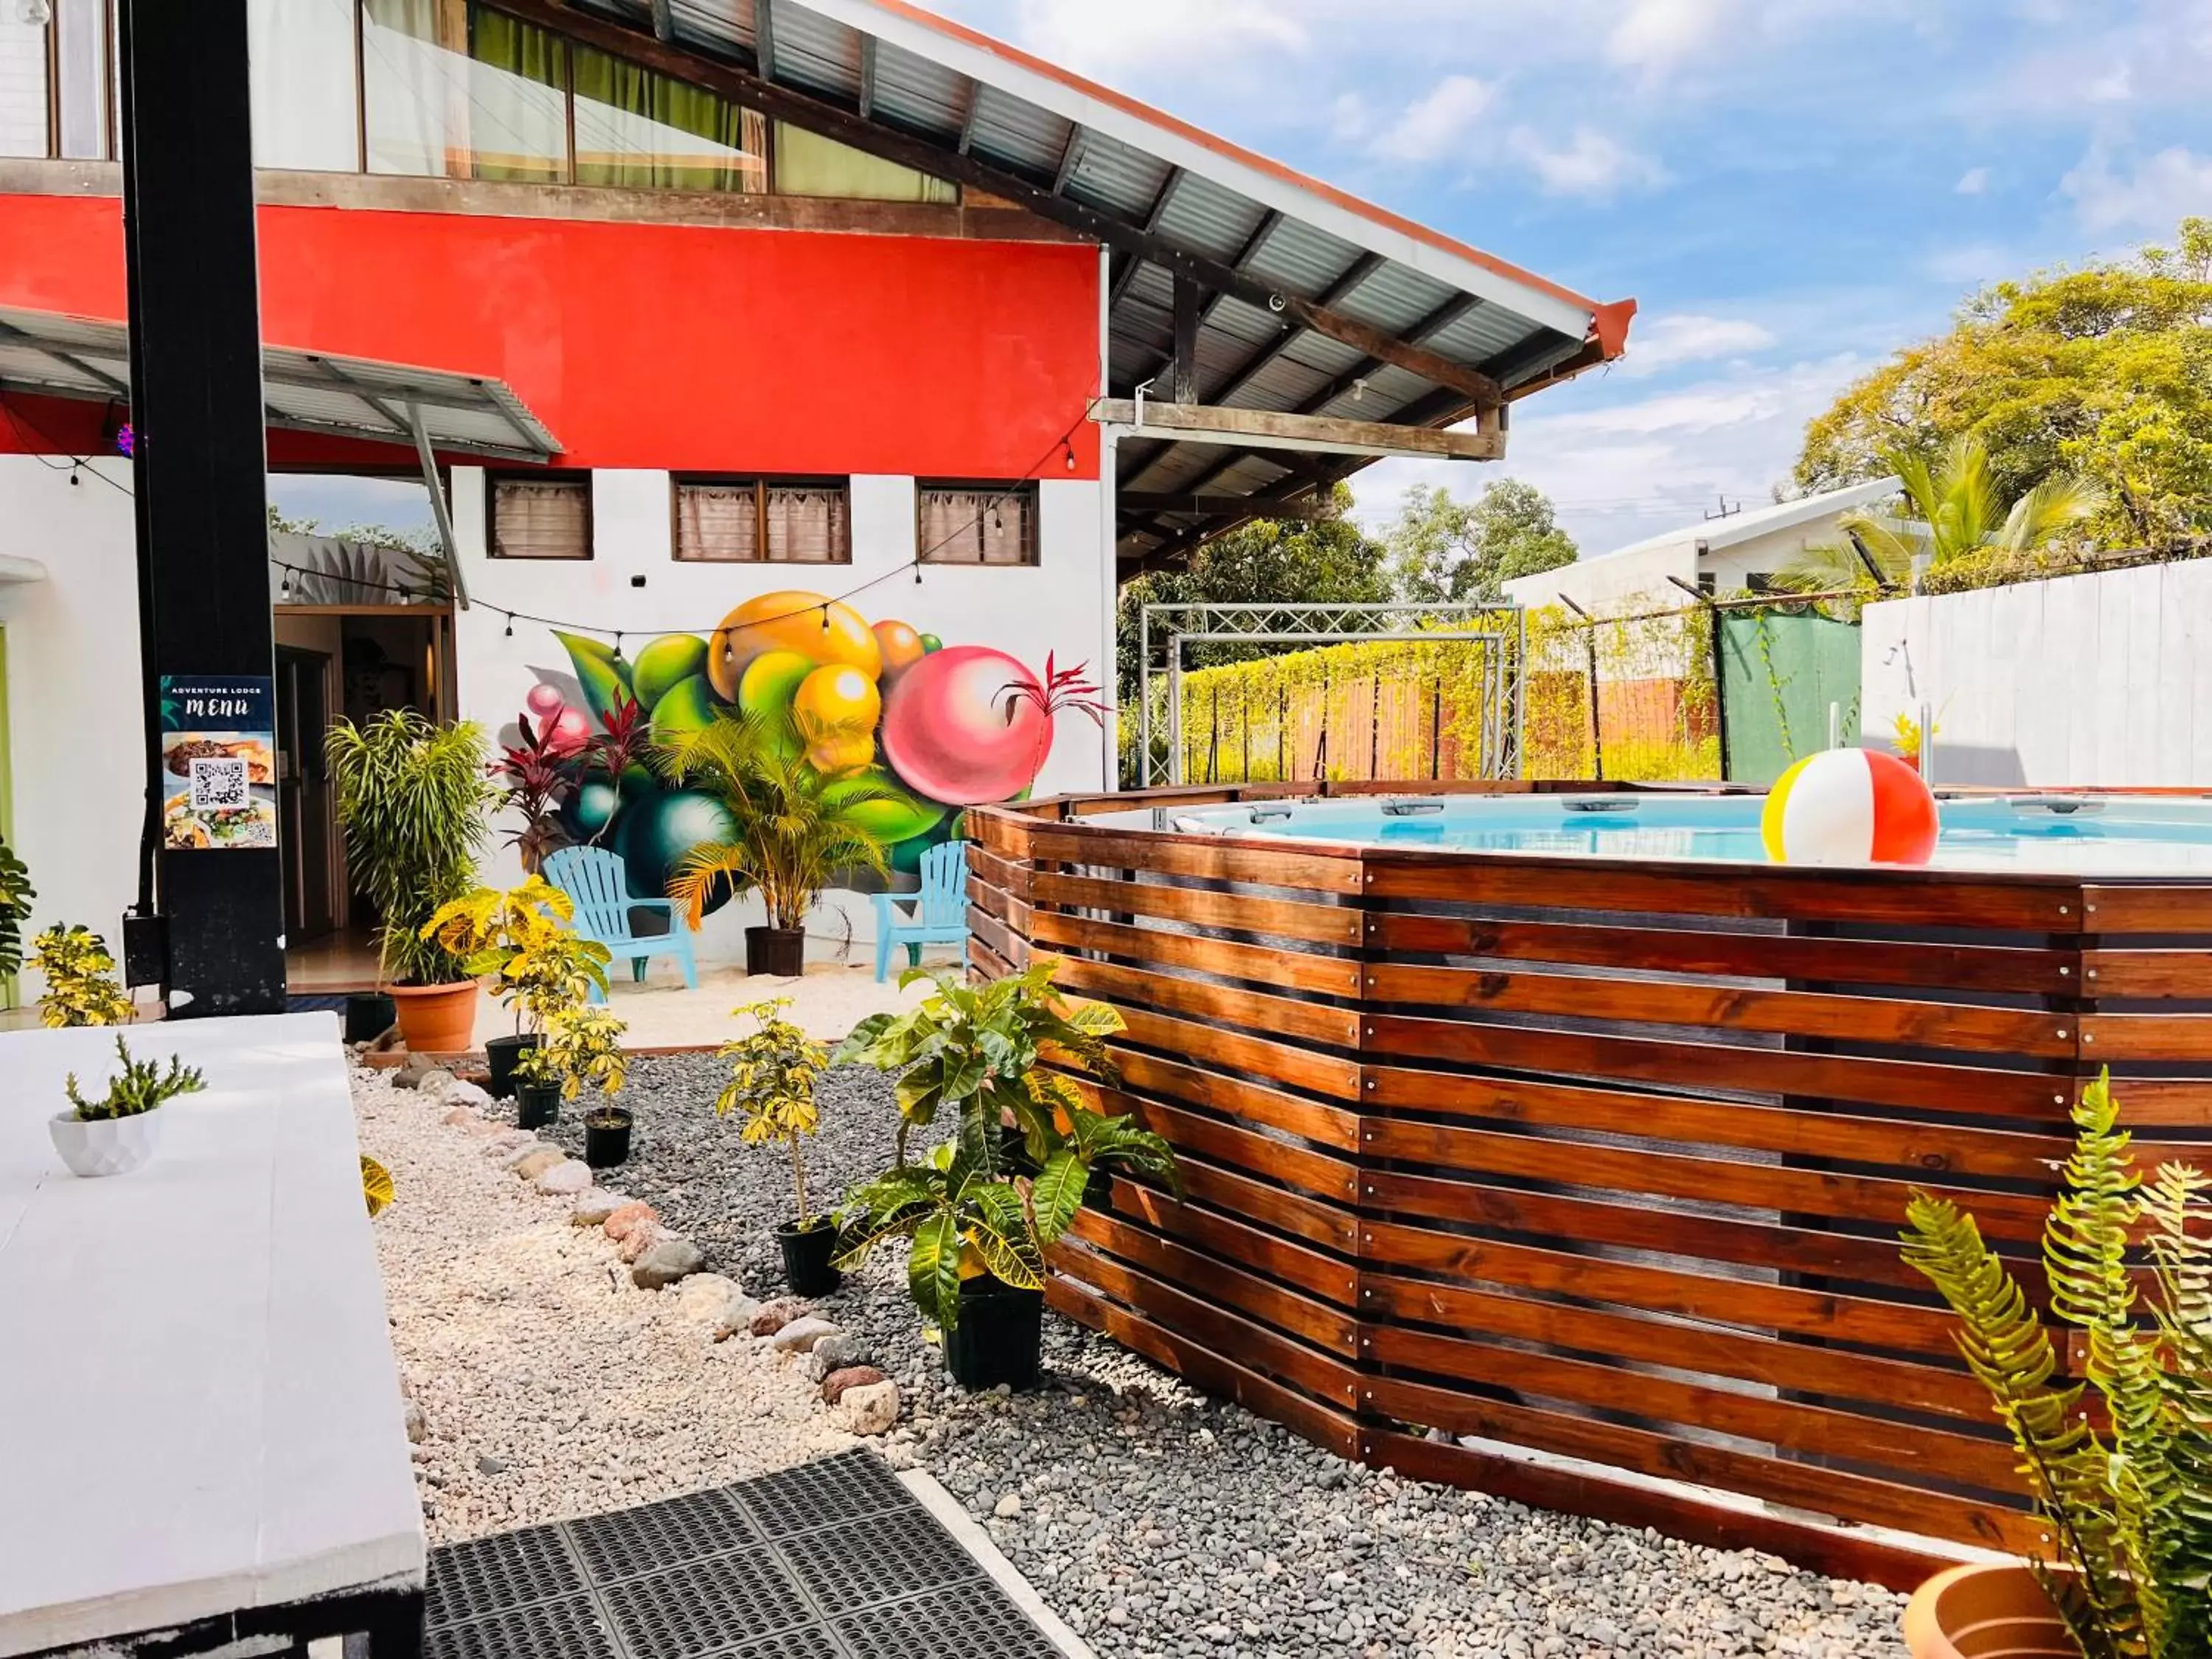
(604,677)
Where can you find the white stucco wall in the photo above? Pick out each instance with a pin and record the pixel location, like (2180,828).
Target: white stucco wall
(1616,584)
(75,738)
(1056,607)
(2103,680)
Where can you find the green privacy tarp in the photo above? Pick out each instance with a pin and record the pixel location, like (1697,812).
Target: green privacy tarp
(1780,675)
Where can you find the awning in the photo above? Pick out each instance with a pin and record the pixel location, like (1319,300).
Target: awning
(64,356)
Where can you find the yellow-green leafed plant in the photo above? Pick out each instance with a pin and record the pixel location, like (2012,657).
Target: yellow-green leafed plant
(139,1087)
(526,936)
(376,1189)
(2129,1509)
(994,1197)
(582,1050)
(80,975)
(773,1070)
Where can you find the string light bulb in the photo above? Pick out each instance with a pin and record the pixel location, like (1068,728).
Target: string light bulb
(825,619)
(284,588)
(618,640)
(917,573)
(1068,445)
(510,624)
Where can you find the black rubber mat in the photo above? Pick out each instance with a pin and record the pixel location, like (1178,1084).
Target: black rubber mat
(835,1560)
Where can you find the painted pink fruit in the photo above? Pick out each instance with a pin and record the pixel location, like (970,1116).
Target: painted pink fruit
(570,733)
(953,730)
(545,702)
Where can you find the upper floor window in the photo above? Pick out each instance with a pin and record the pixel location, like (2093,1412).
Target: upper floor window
(540,515)
(457,89)
(27,85)
(763,521)
(807,164)
(976,523)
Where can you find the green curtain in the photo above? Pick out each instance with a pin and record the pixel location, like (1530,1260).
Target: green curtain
(807,164)
(651,96)
(524,133)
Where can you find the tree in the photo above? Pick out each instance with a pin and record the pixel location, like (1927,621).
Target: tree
(1960,511)
(2104,372)
(1322,561)
(1445,549)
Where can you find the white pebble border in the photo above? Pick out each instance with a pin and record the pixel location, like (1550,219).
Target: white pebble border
(548,1385)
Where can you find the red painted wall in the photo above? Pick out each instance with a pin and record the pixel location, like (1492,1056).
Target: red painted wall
(659,345)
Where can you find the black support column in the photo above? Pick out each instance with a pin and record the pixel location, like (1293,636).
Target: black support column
(200,461)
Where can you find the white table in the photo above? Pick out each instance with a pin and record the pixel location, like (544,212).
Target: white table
(200,1417)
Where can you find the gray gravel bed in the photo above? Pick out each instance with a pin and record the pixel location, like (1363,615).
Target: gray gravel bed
(1156,1521)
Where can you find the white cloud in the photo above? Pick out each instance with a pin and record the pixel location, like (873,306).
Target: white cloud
(1348,118)
(1666,343)
(2153,197)
(1974,181)
(1103,41)
(1591,165)
(1969,265)
(1657,34)
(2116,85)
(1437,125)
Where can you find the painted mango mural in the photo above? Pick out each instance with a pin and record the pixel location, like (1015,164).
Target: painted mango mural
(922,728)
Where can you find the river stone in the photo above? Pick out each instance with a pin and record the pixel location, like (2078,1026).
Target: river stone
(801,1335)
(849,1376)
(532,1165)
(774,1316)
(593,1206)
(626,1217)
(569,1176)
(834,1353)
(665,1262)
(716,1302)
(461,1092)
(638,1240)
(869,1408)
(508,1142)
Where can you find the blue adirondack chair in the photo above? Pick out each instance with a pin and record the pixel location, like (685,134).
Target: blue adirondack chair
(596,882)
(939,914)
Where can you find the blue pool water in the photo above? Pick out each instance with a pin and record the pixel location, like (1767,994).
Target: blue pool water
(2072,835)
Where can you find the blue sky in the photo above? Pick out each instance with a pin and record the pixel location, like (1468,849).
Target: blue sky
(1791,188)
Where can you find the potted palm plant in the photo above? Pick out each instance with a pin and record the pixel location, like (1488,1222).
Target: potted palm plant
(2128,1508)
(413,796)
(526,939)
(773,1070)
(983,1208)
(117,1131)
(797,829)
(80,985)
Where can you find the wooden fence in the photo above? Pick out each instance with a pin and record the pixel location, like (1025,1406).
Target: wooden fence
(1592,1158)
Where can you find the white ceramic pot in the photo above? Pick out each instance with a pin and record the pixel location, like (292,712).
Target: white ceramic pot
(105,1146)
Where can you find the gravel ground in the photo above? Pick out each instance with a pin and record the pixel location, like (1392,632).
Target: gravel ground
(549,1385)
(1156,1521)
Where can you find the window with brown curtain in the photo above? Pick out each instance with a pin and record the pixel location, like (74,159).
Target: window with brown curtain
(764,520)
(976,523)
(540,515)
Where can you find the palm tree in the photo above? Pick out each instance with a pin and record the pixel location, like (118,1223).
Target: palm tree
(796,827)
(1958,511)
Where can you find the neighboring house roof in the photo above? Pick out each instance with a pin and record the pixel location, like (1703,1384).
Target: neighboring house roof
(1716,534)
(1315,302)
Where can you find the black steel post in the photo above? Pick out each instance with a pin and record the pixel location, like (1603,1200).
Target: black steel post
(200,460)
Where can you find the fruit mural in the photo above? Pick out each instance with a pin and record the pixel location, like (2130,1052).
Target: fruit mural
(924,728)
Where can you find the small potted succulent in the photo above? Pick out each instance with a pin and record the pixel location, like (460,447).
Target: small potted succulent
(773,1070)
(2125,1492)
(80,985)
(983,1208)
(116,1133)
(526,937)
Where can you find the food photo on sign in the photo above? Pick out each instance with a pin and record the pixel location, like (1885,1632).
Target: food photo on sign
(218,761)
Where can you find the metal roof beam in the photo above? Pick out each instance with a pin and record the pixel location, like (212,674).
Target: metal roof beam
(663,21)
(867,76)
(1297,506)
(1070,159)
(968,120)
(831,121)
(764,37)
(121,388)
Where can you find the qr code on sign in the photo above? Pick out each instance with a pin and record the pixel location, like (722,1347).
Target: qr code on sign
(218,783)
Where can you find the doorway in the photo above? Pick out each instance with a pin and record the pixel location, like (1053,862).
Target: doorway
(354,661)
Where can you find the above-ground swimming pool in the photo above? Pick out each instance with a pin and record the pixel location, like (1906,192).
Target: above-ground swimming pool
(2064,833)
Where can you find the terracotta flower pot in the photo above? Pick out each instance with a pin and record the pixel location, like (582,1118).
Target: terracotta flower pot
(1978,1612)
(437,1019)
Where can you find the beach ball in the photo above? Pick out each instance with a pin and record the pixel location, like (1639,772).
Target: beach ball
(1849,806)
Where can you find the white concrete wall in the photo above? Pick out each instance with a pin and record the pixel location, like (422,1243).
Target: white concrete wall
(2101,679)
(75,738)
(304,85)
(1056,607)
(1734,567)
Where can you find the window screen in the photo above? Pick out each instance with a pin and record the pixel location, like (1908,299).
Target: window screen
(538,517)
(977,524)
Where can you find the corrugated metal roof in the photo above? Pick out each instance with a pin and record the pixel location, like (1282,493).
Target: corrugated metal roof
(938,81)
(309,392)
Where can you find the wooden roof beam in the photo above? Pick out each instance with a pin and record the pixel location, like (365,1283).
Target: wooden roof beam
(1265,428)
(764,37)
(1223,506)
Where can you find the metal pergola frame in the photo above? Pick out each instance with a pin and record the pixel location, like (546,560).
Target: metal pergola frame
(1453,622)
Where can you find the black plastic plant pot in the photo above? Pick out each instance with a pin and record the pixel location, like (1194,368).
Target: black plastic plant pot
(778,951)
(537,1105)
(606,1136)
(806,1253)
(999,1337)
(502,1054)
(368,1016)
